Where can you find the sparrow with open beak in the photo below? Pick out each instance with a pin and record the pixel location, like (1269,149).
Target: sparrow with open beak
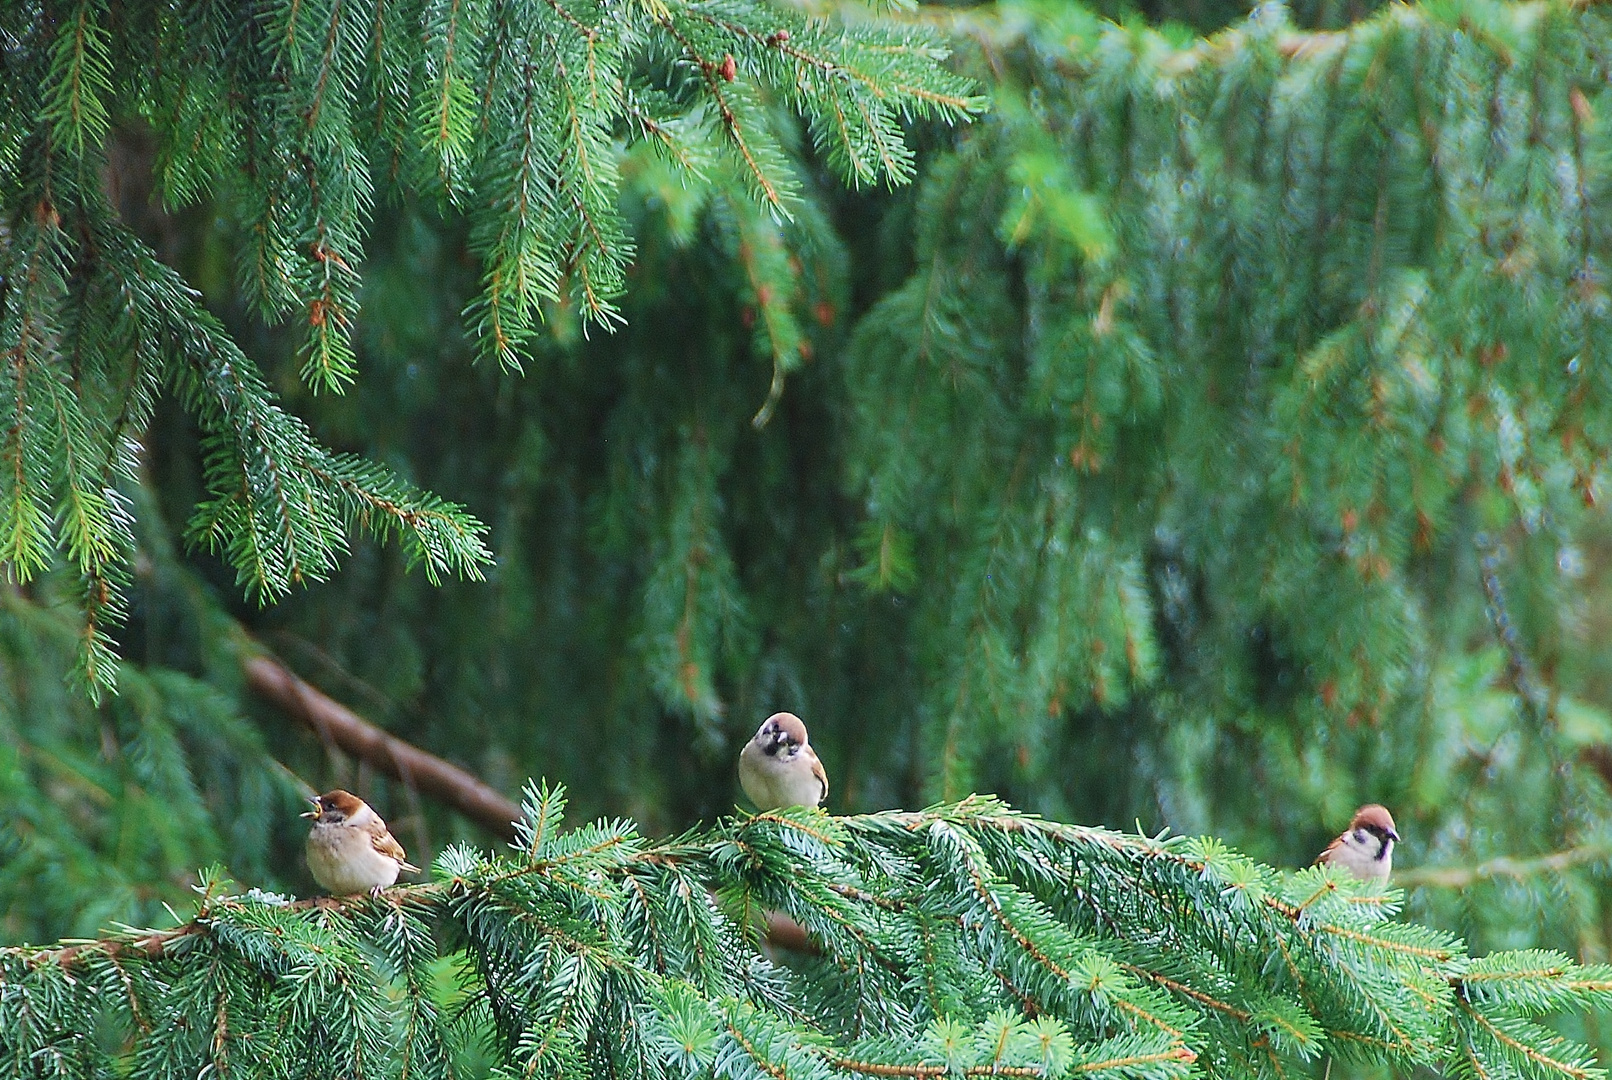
(779,768)
(350,850)
(1366,848)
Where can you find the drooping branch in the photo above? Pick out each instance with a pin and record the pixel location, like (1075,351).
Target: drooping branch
(339,725)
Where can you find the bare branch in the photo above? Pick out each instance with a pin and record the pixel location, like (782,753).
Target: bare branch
(425,772)
(1459,877)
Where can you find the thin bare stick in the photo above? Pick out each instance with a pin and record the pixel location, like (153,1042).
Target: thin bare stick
(1459,877)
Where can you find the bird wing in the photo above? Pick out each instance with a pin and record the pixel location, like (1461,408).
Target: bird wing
(382,840)
(822,777)
(1329,851)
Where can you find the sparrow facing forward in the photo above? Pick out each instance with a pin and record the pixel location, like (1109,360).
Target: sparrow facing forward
(350,849)
(1366,848)
(777,767)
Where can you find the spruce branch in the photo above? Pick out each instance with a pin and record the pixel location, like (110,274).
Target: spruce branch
(80,79)
(281,503)
(577,930)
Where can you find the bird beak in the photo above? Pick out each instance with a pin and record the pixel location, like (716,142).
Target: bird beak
(1394,836)
(315,811)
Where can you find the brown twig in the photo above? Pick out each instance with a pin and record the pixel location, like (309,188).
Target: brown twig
(1599,758)
(151,944)
(785,933)
(148,946)
(425,772)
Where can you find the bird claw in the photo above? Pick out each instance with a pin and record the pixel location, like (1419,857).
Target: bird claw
(375,892)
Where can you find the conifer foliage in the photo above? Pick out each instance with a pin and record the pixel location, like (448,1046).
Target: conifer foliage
(298,120)
(964,940)
(1233,356)
(1199,337)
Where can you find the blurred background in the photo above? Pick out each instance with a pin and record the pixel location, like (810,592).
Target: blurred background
(1208,441)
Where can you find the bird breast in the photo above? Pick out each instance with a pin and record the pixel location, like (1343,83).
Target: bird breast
(343,860)
(778,780)
(1370,858)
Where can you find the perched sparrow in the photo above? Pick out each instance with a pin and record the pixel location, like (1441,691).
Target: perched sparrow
(349,848)
(1366,849)
(778,768)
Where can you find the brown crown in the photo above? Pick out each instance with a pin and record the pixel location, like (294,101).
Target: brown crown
(344,801)
(1373,816)
(789,724)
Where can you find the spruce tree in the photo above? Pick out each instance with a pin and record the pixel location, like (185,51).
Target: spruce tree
(1210,437)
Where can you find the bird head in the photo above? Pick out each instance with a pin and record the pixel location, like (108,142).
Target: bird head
(1376,820)
(781,733)
(335,807)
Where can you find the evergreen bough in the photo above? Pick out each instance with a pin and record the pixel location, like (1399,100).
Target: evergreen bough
(967,940)
(301,121)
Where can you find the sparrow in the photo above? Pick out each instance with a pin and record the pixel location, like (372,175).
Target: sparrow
(349,848)
(1366,848)
(778,768)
